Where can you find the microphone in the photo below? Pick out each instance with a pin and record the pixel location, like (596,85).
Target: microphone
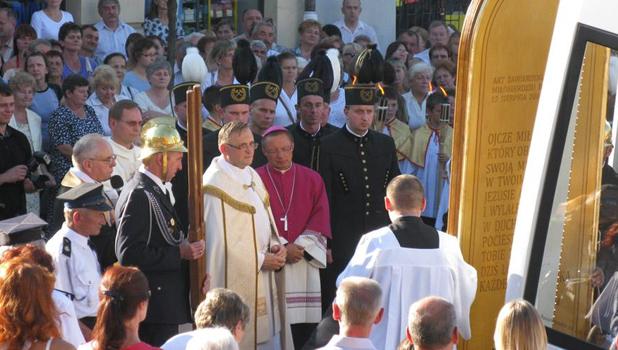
(116,182)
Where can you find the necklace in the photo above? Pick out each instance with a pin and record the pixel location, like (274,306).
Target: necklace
(285,215)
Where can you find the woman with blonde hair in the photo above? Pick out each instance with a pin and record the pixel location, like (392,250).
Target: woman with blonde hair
(519,327)
(105,87)
(123,303)
(28,316)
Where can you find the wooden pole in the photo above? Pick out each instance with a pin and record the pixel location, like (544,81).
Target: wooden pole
(195,169)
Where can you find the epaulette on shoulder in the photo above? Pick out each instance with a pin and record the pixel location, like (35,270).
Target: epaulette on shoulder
(66,247)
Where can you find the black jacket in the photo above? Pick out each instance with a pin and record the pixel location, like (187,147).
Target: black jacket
(141,243)
(211,150)
(356,172)
(307,146)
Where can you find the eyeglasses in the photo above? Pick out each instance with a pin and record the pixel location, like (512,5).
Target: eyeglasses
(245,146)
(107,160)
(348,54)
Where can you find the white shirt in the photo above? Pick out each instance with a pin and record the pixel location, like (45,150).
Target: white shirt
(417,115)
(69,326)
(338,342)
(111,41)
(146,104)
(179,341)
(423,55)
(47,28)
(362,28)
(282,117)
(165,187)
(102,111)
(127,160)
(77,270)
(337,116)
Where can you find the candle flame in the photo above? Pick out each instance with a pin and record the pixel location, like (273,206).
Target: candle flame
(430,87)
(354,79)
(379,85)
(443,91)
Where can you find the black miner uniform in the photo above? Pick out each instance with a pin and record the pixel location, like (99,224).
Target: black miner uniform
(356,171)
(149,237)
(307,146)
(232,94)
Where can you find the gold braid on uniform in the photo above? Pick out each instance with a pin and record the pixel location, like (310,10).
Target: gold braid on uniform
(162,222)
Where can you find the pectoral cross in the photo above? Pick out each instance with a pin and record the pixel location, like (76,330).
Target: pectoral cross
(285,222)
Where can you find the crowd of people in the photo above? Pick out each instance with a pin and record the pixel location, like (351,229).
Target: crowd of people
(326,174)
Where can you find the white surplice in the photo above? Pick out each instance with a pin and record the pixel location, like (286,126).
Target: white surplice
(407,275)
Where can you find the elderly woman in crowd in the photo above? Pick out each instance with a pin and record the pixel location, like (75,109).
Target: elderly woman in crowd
(28,315)
(444,75)
(419,80)
(46,96)
(155,102)
(123,295)
(519,327)
(118,62)
(105,85)
(157,22)
(24,35)
(28,123)
(105,93)
(309,31)
(67,320)
(141,55)
(259,49)
(222,54)
(70,122)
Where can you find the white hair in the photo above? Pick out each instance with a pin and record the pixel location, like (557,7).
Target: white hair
(217,338)
(419,68)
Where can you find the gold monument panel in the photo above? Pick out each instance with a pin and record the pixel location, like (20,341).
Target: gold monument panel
(502,59)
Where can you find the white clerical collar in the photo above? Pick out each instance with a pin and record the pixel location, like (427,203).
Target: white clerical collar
(305,130)
(82,175)
(281,171)
(153,177)
(181,126)
(243,175)
(353,133)
(122,148)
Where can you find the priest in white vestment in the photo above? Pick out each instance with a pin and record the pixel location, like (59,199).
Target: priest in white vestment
(244,251)
(125,121)
(411,256)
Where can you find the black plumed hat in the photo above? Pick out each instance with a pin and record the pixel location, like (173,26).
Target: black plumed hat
(244,63)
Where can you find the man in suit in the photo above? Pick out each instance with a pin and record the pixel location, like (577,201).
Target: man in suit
(150,237)
(356,164)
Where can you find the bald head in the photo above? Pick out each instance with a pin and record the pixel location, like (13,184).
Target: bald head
(405,193)
(432,323)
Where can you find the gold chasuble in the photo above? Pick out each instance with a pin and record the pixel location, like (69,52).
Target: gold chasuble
(239,232)
(421,138)
(400,132)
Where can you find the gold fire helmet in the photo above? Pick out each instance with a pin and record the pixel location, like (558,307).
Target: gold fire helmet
(160,135)
(608,134)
